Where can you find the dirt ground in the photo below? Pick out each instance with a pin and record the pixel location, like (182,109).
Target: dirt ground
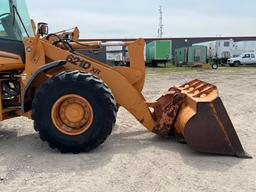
(133,159)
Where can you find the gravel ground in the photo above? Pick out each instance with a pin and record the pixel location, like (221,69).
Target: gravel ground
(133,159)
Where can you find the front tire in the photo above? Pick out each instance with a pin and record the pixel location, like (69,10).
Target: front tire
(237,63)
(74,112)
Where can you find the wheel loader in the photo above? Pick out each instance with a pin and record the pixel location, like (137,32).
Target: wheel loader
(73,99)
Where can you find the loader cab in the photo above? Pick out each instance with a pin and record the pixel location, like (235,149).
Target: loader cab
(15,25)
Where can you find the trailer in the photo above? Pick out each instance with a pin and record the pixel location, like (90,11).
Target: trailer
(241,47)
(117,54)
(221,50)
(114,55)
(191,55)
(158,52)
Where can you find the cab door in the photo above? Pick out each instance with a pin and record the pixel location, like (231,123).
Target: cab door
(253,58)
(246,58)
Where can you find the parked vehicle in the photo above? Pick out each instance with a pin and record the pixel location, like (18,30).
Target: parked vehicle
(158,52)
(242,47)
(117,55)
(219,51)
(245,58)
(191,55)
(114,55)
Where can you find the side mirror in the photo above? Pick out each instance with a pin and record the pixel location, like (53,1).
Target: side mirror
(42,28)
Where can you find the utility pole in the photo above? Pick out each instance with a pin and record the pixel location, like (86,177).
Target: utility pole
(160,27)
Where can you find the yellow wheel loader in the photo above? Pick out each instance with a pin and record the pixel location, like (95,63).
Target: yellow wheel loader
(73,99)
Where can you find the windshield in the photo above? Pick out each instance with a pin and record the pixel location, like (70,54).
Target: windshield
(15,23)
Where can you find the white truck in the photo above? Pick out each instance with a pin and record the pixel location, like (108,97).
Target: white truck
(245,58)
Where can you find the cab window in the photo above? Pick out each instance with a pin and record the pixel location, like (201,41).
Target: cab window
(226,43)
(4,13)
(15,22)
(247,56)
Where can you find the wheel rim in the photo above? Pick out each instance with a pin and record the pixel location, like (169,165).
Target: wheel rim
(72,114)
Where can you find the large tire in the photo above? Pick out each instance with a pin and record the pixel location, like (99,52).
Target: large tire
(237,63)
(85,86)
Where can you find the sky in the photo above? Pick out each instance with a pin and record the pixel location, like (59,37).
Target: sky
(140,18)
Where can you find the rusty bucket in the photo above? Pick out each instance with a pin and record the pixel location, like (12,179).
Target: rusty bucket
(199,117)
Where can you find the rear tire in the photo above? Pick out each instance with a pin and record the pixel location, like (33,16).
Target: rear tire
(85,86)
(215,66)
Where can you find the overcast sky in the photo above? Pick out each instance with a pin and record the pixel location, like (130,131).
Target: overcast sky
(139,18)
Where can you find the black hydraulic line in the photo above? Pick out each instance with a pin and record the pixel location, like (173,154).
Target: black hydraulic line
(65,43)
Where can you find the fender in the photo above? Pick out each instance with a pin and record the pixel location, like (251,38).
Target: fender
(26,104)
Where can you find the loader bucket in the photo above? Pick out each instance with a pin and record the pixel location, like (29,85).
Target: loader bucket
(204,123)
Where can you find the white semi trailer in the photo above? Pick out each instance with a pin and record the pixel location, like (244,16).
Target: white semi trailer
(220,51)
(117,55)
(243,47)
